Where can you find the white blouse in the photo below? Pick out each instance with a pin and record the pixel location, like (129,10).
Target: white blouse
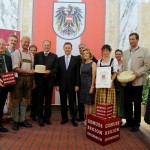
(114,64)
(119,68)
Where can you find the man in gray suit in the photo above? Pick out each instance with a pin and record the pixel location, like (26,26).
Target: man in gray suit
(135,59)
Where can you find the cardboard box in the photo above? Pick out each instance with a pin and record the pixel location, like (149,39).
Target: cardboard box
(103,130)
(104,110)
(8,78)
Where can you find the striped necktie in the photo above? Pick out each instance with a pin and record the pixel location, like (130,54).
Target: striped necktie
(2,64)
(45,54)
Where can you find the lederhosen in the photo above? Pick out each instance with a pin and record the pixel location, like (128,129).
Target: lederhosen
(26,61)
(24,81)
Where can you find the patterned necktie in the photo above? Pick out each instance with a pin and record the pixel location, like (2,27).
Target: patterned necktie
(67,61)
(2,64)
(45,54)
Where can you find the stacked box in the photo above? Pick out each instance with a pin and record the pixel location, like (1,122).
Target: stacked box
(103,130)
(104,110)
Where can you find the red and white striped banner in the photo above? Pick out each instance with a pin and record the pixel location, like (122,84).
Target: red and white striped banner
(76,21)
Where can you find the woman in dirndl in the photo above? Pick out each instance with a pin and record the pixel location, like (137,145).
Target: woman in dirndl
(107,95)
(118,86)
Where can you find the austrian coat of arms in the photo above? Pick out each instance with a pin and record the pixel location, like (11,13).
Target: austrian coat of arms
(69,19)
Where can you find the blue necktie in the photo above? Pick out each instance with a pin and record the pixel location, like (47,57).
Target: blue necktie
(67,61)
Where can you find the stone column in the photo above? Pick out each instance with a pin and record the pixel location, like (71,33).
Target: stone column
(26,18)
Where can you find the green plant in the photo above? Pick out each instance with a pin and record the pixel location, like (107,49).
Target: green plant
(145,90)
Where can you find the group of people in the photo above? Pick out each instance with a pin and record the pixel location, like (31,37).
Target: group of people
(75,78)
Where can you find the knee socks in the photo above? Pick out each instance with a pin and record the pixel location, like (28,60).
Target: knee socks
(23,108)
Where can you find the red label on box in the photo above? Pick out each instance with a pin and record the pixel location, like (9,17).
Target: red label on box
(103,131)
(104,110)
(104,115)
(104,106)
(8,78)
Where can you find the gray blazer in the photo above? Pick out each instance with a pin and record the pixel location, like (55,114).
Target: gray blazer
(140,63)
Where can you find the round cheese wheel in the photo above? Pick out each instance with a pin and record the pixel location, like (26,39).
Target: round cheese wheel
(126,76)
(40,69)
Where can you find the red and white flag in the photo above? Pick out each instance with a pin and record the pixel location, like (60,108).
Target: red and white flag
(75,21)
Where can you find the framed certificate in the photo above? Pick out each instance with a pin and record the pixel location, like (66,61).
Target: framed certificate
(103,77)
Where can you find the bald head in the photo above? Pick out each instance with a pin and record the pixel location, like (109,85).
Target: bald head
(25,42)
(2,46)
(25,37)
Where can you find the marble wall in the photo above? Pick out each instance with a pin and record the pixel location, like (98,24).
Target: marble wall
(144,23)
(9,14)
(26,21)
(128,21)
(124,17)
(17,15)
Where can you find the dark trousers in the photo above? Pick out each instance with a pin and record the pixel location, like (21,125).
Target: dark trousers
(133,97)
(34,102)
(81,109)
(44,93)
(71,95)
(3,96)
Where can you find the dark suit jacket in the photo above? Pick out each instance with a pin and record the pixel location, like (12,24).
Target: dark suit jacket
(7,52)
(8,63)
(68,79)
(9,68)
(52,65)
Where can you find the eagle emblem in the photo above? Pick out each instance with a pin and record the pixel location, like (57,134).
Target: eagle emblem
(69,19)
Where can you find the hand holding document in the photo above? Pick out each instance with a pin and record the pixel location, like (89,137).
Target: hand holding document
(103,77)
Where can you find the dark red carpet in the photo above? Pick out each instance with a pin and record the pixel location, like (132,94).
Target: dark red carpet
(67,137)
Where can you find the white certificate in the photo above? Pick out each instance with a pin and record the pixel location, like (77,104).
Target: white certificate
(103,77)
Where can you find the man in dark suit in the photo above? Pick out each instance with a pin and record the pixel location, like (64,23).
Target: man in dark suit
(5,66)
(82,46)
(68,83)
(45,82)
